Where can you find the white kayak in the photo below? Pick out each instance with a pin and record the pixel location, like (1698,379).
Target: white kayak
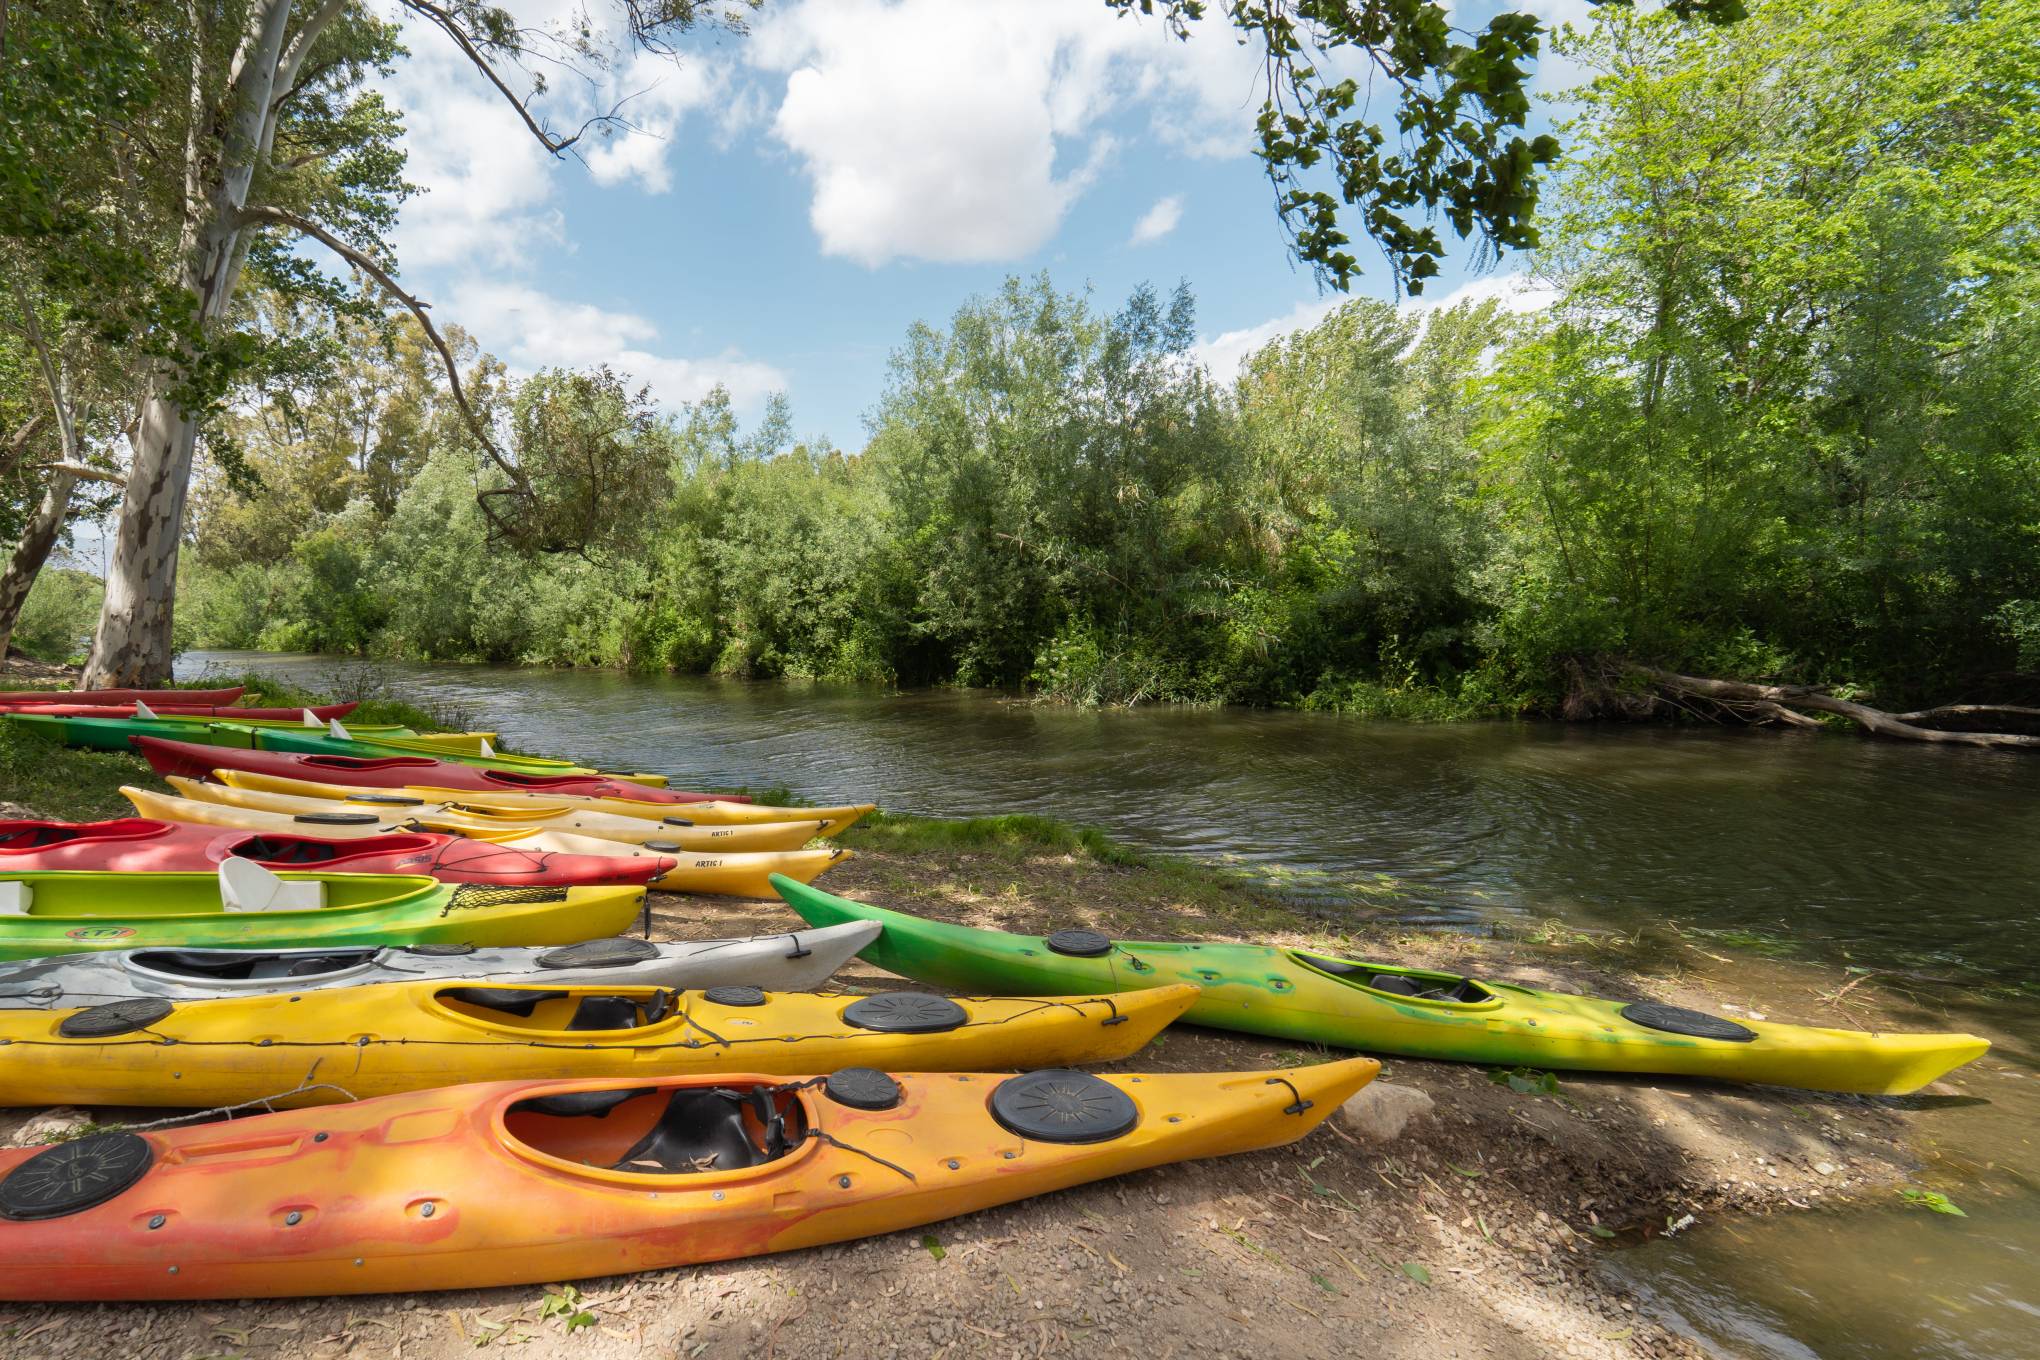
(793,961)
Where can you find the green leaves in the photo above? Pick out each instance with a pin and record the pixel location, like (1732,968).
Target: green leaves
(1931,1199)
(1525,1081)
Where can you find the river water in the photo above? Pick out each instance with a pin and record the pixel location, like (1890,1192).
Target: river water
(1919,863)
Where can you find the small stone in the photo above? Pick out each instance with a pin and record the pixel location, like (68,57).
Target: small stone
(1824,1168)
(52,1126)
(1382,1109)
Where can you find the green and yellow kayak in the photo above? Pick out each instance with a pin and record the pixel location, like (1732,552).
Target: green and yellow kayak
(304,741)
(111,734)
(70,913)
(1302,995)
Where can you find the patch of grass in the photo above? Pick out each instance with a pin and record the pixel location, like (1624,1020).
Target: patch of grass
(63,782)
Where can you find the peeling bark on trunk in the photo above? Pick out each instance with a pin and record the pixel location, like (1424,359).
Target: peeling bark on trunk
(131,646)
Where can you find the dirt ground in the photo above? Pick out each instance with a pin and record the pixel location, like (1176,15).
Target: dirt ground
(1471,1234)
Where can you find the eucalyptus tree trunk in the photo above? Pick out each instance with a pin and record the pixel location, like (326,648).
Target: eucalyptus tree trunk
(34,549)
(131,645)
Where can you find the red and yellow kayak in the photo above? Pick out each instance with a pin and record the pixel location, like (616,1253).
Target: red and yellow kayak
(117,697)
(198,761)
(531,1182)
(141,845)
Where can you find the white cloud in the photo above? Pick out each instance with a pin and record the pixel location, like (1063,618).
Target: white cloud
(658,96)
(1224,353)
(940,131)
(1158,221)
(531,330)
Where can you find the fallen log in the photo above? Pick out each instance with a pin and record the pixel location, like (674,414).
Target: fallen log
(1786,703)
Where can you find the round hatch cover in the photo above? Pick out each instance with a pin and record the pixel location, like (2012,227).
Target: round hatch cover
(735,996)
(905,1013)
(1080,944)
(337,818)
(1679,1020)
(862,1088)
(115,1017)
(610,953)
(1059,1105)
(439,951)
(663,847)
(74,1176)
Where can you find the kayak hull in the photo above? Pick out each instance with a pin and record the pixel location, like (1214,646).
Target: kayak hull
(118,697)
(83,912)
(140,845)
(387,1038)
(198,761)
(99,733)
(1282,993)
(470,1186)
(187,713)
(714,812)
(790,961)
(254,810)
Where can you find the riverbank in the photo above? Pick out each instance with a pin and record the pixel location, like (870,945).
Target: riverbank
(1474,1231)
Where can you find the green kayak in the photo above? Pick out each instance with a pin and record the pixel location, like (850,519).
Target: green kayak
(365,742)
(1300,995)
(111,734)
(71,912)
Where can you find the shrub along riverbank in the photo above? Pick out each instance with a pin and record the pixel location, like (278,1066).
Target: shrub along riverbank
(1780,418)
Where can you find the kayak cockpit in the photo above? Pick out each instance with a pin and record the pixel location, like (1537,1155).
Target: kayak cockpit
(1406,983)
(655,1131)
(244,965)
(19,837)
(562,1010)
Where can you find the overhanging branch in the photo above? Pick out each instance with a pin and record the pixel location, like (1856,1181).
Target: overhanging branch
(418,309)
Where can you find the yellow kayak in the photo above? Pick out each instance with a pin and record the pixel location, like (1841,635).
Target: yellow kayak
(382,1038)
(682,814)
(218,804)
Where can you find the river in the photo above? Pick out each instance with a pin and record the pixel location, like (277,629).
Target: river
(1918,863)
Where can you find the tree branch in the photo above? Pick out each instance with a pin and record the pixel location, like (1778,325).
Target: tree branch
(449,25)
(419,310)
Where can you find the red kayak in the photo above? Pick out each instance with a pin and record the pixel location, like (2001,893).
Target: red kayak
(195,761)
(114,698)
(141,845)
(322,712)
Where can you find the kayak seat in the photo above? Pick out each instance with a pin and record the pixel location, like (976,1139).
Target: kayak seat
(705,1131)
(509,1000)
(605,1012)
(1423,986)
(285,850)
(231,966)
(36,837)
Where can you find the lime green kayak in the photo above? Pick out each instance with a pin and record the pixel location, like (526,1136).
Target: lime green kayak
(69,912)
(1308,997)
(361,742)
(111,734)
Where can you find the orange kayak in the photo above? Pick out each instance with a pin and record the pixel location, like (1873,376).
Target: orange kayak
(531,1182)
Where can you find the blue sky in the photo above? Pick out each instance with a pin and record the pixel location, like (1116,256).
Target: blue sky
(791,201)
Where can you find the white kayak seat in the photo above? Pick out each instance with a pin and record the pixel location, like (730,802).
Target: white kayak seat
(334,729)
(487,749)
(142,710)
(15,897)
(311,719)
(247,886)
